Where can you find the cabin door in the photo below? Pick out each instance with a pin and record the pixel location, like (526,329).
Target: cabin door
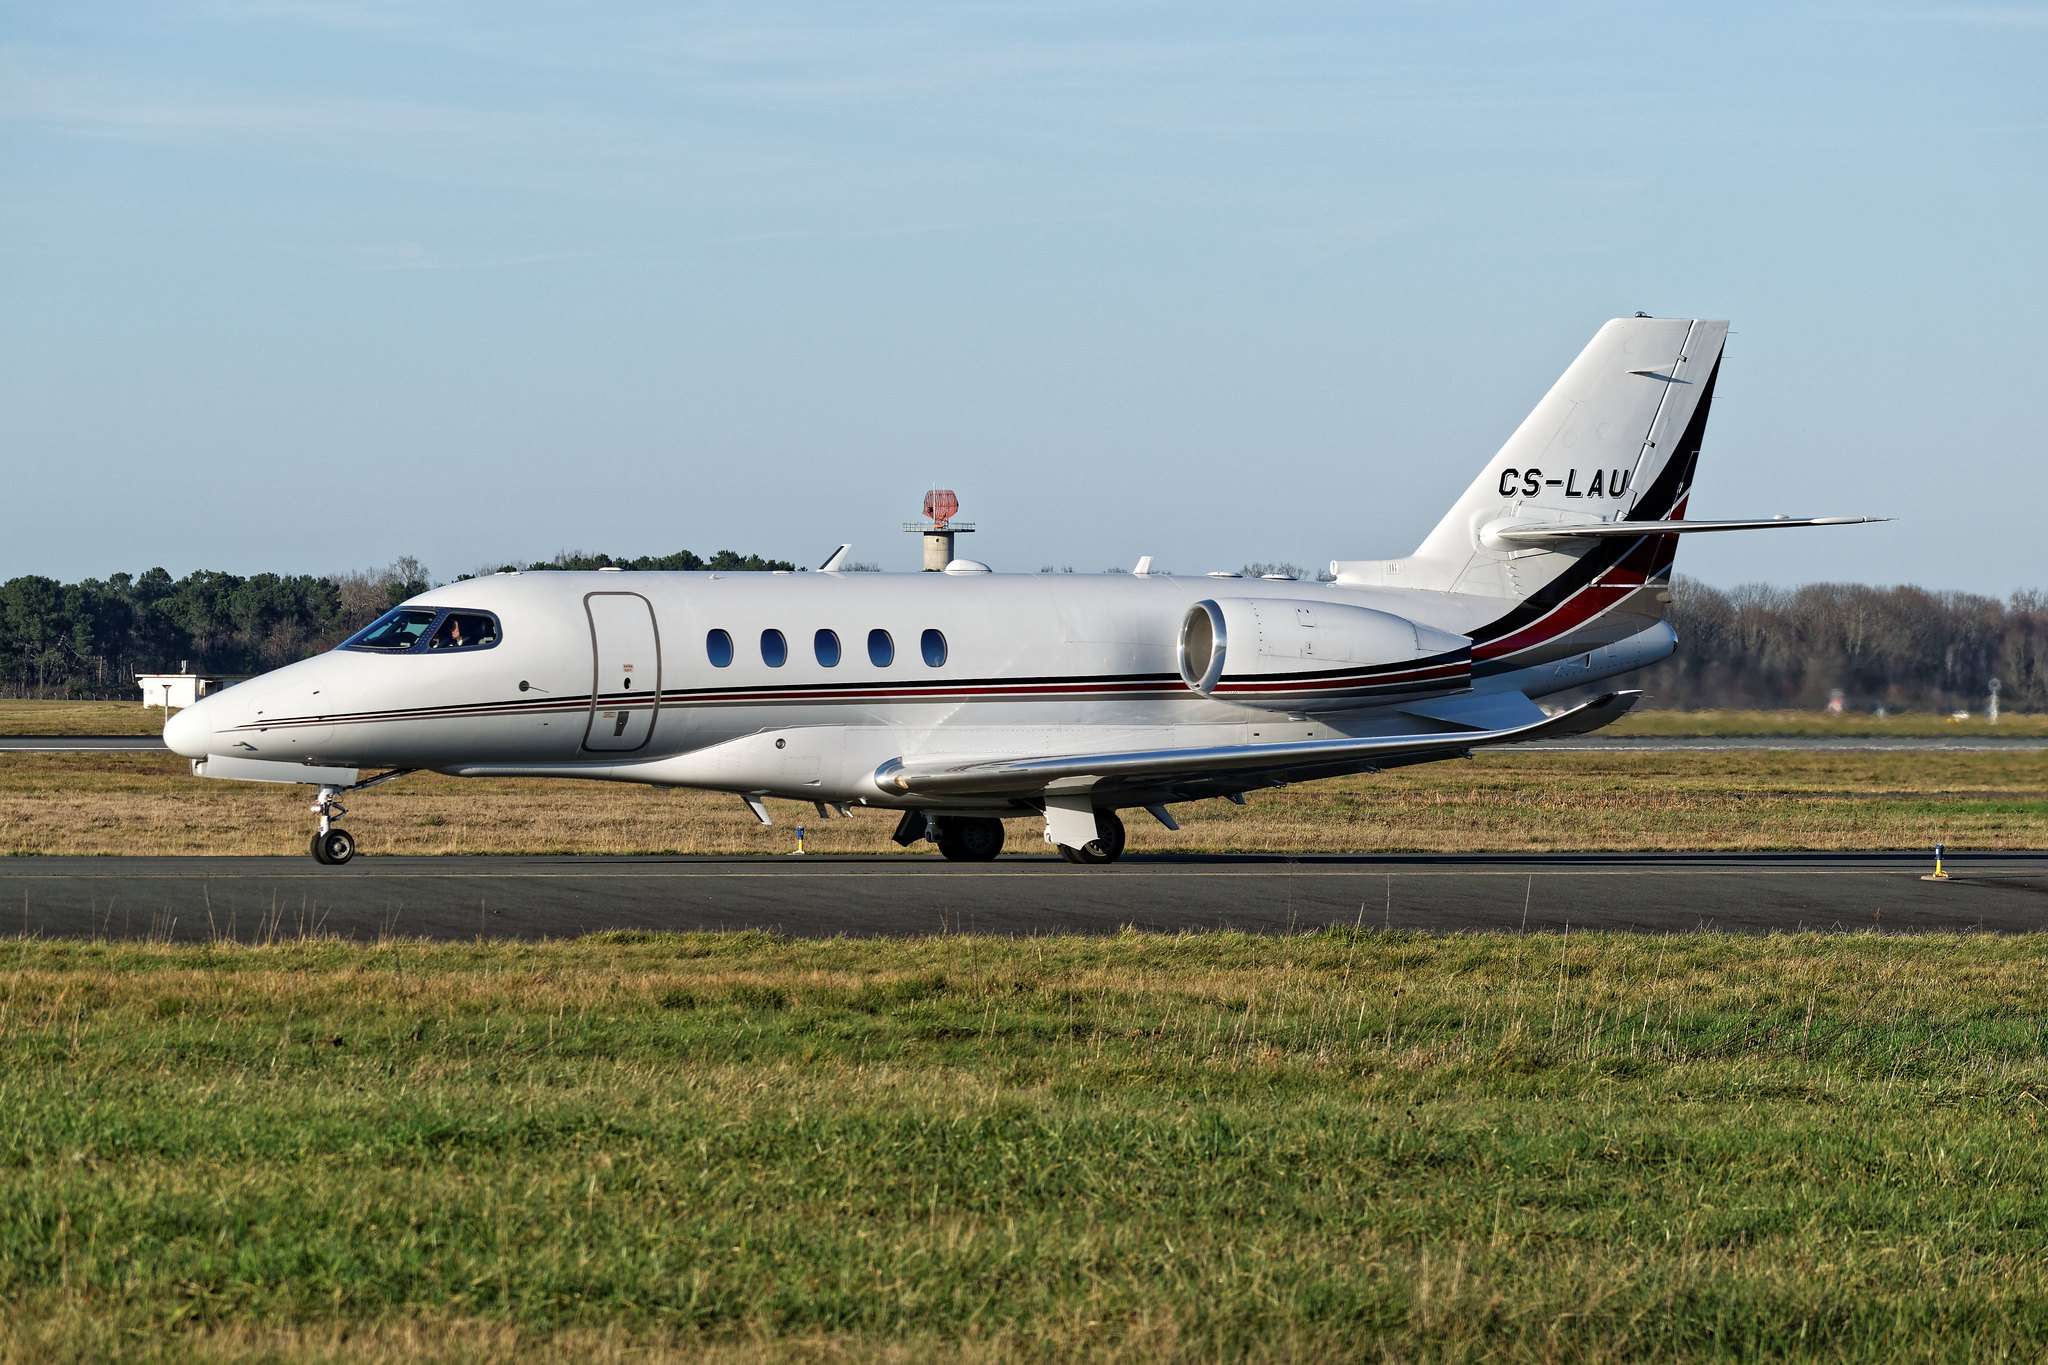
(626,663)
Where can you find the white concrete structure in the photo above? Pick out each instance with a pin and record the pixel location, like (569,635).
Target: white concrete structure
(179,690)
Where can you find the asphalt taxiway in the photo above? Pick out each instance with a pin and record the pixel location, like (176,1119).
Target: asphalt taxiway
(197,899)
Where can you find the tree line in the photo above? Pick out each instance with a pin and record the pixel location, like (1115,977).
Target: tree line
(1903,648)
(90,638)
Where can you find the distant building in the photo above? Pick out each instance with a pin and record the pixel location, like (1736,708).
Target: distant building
(180,689)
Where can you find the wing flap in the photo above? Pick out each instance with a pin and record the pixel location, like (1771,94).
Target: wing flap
(1302,758)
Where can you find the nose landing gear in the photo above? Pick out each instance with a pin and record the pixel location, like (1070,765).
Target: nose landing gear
(331,845)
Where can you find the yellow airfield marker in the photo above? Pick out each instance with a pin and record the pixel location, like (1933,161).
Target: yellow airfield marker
(1938,875)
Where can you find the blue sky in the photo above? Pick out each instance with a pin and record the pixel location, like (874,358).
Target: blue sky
(308,284)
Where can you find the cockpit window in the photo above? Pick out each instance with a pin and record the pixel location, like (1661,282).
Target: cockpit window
(411,629)
(397,629)
(464,630)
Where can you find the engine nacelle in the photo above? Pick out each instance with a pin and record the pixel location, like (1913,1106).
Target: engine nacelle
(1286,654)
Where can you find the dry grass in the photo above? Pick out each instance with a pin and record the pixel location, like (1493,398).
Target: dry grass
(1506,801)
(19,717)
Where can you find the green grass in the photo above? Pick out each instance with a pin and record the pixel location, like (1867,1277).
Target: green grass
(1346,1144)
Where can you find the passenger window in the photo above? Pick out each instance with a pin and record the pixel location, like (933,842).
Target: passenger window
(934,646)
(774,649)
(464,630)
(718,645)
(397,629)
(826,643)
(881,649)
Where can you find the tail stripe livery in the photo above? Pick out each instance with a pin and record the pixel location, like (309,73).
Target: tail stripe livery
(1611,571)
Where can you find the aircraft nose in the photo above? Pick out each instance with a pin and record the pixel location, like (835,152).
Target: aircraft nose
(187,732)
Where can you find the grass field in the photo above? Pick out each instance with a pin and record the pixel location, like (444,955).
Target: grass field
(1648,721)
(1342,1145)
(19,717)
(1504,800)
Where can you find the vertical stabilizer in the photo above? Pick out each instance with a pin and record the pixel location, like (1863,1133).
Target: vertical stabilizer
(1617,438)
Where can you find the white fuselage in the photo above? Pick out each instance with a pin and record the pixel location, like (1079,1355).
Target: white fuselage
(612,675)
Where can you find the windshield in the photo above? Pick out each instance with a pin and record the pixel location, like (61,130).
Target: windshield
(399,628)
(412,629)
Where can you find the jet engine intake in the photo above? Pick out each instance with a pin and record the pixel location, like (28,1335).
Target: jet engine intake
(1291,654)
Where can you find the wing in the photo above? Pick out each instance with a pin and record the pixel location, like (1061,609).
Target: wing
(1224,768)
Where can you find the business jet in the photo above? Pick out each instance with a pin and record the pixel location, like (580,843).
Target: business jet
(965,699)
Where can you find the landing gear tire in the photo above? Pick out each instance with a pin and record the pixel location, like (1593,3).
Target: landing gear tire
(970,839)
(1107,845)
(334,847)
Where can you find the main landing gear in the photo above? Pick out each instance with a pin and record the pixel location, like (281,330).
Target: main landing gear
(979,838)
(970,838)
(1107,845)
(333,846)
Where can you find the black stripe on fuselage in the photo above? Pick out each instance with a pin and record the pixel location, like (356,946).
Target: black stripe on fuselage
(905,689)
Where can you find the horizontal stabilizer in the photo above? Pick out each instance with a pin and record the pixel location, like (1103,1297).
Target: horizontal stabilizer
(1280,761)
(1538,535)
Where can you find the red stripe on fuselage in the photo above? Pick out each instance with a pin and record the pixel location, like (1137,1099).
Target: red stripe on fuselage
(1434,673)
(1581,607)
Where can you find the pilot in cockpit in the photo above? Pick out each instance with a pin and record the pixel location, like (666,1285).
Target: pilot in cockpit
(463,630)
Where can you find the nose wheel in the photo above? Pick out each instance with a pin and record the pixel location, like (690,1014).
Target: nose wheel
(332,845)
